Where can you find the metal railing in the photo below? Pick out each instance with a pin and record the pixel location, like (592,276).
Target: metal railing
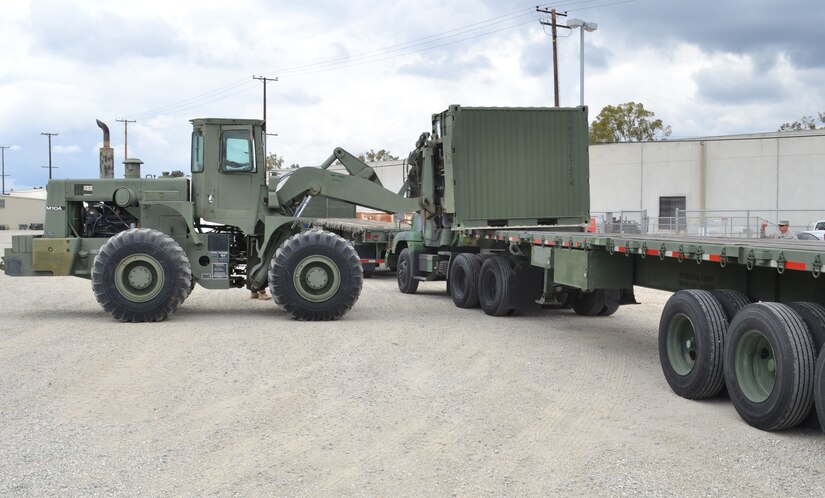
(744,223)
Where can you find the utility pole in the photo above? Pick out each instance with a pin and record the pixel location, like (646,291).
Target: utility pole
(3,174)
(50,135)
(264,79)
(553,34)
(125,136)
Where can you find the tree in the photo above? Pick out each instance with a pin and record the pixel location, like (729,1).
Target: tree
(375,157)
(274,161)
(804,123)
(628,122)
(176,174)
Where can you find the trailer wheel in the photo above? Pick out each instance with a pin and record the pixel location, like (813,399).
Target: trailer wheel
(141,275)
(611,301)
(589,303)
(731,300)
(494,280)
(769,366)
(315,275)
(813,314)
(463,280)
(407,284)
(691,344)
(819,389)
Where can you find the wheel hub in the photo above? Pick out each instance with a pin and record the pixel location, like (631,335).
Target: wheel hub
(139,278)
(316,278)
(681,344)
(755,366)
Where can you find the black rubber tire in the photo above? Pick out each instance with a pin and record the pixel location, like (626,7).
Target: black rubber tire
(404,275)
(774,336)
(819,389)
(695,319)
(813,314)
(494,291)
(589,303)
(611,301)
(731,300)
(463,280)
(332,260)
(135,253)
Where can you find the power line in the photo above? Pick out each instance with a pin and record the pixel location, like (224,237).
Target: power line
(264,79)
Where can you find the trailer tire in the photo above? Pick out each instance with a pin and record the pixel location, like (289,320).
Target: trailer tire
(819,389)
(770,366)
(494,281)
(463,280)
(611,301)
(813,314)
(315,275)
(692,344)
(731,300)
(141,275)
(407,283)
(589,303)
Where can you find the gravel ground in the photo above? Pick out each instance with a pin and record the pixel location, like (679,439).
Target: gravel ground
(407,395)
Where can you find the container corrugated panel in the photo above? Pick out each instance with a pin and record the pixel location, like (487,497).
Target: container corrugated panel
(518,165)
(324,207)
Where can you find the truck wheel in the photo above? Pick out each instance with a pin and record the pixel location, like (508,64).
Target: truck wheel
(769,366)
(731,300)
(315,275)
(141,275)
(463,280)
(813,314)
(494,286)
(692,344)
(819,389)
(406,283)
(589,303)
(611,301)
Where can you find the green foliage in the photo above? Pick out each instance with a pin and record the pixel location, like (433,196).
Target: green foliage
(628,122)
(176,174)
(274,161)
(804,123)
(374,157)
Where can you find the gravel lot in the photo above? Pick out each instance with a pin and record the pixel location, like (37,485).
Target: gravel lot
(407,395)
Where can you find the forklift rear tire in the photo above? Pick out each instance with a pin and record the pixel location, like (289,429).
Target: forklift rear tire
(315,275)
(141,275)
(407,284)
(463,280)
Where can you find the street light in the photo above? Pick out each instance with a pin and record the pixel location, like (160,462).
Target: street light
(583,26)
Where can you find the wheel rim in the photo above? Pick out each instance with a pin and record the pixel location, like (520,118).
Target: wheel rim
(681,344)
(316,278)
(755,366)
(139,278)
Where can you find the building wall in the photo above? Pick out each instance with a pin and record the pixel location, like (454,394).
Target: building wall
(16,211)
(770,171)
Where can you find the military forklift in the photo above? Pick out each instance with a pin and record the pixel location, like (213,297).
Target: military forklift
(145,242)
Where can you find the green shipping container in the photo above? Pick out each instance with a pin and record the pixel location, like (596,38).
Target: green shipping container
(515,166)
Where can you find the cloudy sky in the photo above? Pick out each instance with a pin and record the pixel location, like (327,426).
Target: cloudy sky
(368,74)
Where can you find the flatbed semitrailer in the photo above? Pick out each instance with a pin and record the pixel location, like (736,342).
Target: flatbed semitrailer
(505,201)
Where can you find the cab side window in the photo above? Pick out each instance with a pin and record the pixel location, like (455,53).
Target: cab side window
(237,152)
(197,152)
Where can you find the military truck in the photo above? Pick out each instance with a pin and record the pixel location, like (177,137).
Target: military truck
(146,242)
(504,203)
